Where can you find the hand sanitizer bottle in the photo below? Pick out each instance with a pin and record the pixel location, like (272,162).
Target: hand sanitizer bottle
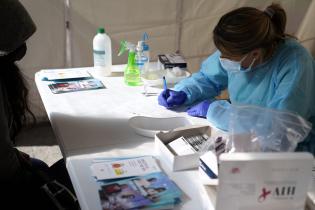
(102,54)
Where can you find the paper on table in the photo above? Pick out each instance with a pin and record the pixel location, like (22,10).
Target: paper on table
(124,168)
(60,74)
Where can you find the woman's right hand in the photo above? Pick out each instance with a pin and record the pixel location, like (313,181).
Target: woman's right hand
(170,98)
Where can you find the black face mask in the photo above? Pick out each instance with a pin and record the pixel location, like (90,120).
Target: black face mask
(16,55)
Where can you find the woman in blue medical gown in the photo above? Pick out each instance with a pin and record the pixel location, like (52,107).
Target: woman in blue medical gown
(259,65)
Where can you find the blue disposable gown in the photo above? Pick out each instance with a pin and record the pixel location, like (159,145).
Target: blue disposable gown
(285,82)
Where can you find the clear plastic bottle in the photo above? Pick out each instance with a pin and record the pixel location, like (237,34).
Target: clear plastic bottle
(140,58)
(145,46)
(146,52)
(102,53)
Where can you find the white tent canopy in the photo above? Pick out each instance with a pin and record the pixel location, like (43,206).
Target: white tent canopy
(173,25)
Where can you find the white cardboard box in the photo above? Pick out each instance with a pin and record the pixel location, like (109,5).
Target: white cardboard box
(264,181)
(174,161)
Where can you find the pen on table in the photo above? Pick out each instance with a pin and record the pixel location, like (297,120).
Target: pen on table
(164,83)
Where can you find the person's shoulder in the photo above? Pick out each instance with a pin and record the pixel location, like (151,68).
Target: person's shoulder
(213,62)
(291,46)
(214,57)
(215,54)
(293,58)
(291,52)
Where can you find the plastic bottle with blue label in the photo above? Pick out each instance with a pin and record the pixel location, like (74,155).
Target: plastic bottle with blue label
(140,57)
(143,54)
(145,46)
(102,54)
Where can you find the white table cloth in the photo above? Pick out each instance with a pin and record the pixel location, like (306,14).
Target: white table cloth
(94,123)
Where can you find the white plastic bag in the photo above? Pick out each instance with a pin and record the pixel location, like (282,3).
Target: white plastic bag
(257,129)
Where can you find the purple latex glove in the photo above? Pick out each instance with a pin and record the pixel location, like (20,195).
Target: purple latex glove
(200,110)
(170,98)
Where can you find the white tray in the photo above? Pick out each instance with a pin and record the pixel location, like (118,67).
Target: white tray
(149,126)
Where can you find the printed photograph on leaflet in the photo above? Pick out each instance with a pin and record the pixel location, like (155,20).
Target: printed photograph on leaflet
(152,191)
(121,196)
(78,85)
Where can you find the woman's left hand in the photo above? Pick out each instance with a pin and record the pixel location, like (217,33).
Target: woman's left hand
(200,110)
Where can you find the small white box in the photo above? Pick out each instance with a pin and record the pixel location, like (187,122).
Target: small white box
(174,161)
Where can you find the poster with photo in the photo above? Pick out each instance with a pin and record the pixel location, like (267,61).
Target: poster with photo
(78,85)
(152,191)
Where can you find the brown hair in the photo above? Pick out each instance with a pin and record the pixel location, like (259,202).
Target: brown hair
(242,30)
(15,93)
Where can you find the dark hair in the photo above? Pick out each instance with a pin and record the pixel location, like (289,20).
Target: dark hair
(15,93)
(242,30)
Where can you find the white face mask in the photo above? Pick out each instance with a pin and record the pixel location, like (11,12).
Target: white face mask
(235,66)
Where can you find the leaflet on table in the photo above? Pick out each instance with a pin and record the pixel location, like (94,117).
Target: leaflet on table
(75,85)
(151,191)
(124,168)
(109,159)
(64,74)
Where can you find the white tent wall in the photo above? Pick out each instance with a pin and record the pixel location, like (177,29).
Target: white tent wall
(201,16)
(123,20)
(184,25)
(46,48)
(306,32)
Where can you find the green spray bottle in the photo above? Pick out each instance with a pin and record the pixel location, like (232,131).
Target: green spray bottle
(131,72)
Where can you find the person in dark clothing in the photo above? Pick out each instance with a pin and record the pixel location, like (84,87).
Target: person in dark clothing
(25,182)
